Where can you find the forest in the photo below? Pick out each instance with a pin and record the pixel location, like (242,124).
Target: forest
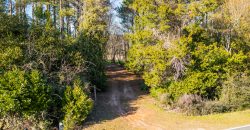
(193,56)
(51,57)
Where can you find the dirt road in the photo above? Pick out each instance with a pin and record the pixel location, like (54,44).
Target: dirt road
(123,106)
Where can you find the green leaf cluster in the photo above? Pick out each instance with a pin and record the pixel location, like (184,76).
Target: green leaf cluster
(25,93)
(183,47)
(77,105)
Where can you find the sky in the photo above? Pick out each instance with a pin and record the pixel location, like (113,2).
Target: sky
(115,3)
(116,20)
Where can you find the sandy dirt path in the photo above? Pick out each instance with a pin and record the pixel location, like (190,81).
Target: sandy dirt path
(119,102)
(123,106)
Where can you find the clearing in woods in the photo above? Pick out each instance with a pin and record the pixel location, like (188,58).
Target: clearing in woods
(125,107)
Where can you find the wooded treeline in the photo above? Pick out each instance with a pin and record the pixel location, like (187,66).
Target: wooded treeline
(52,54)
(192,54)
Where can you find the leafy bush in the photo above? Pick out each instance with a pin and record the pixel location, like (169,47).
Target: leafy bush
(10,55)
(12,25)
(212,107)
(121,63)
(236,92)
(192,106)
(204,84)
(194,58)
(163,96)
(166,99)
(77,105)
(156,92)
(149,61)
(92,48)
(38,48)
(23,93)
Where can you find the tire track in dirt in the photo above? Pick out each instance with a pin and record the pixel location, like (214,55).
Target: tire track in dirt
(118,101)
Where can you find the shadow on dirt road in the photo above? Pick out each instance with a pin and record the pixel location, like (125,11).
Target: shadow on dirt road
(123,88)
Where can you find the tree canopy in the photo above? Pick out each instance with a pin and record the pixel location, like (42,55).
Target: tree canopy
(189,47)
(52,55)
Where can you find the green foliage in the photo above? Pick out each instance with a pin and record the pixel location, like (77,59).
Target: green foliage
(77,105)
(11,25)
(38,11)
(23,93)
(236,92)
(121,63)
(93,49)
(10,55)
(40,56)
(2,7)
(189,47)
(126,14)
(213,107)
(92,40)
(95,13)
(157,92)
(205,84)
(151,61)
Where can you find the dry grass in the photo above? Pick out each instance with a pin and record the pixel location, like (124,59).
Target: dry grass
(150,117)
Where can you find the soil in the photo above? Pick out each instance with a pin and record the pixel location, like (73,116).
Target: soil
(123,106)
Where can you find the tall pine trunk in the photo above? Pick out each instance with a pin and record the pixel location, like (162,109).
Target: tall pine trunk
(10,7)
(61,19)
(33,12)
(78,15)
(68,21)
(54,13)
(17,7)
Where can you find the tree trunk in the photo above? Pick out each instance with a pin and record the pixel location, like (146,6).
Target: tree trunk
(68,25)
(34,19)
(49,22)
(10,7)
(24,17)
(24,8)
(68,21)
(78,15)
(48,8)
(17,7)
(54,13)
(61,20)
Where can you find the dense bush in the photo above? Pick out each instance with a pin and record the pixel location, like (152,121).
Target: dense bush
(189,48)
(12,25)
(92,47)
(77,105)
(195,105)
(204,84)
(23,93)
(236,92)
(162,96)
(39,57)
(212,107)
